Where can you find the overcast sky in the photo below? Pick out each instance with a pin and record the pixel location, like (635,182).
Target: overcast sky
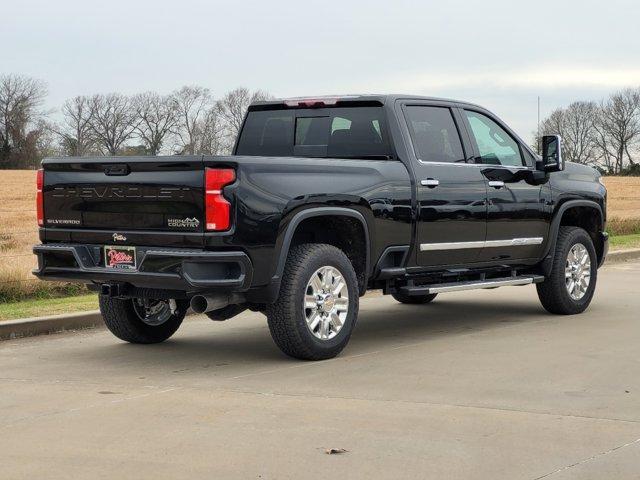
(498,53)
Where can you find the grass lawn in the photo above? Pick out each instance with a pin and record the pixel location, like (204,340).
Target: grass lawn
(47,306)
(620,242)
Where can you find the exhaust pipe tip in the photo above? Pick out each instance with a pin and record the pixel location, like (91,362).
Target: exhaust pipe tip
(199,304)
(207,303)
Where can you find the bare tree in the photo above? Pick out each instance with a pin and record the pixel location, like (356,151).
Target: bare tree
(157,116)
(45,144)
(579,124)
(575,124)
(211,139)
(113,121)
(233,107)
(20,126)
(192,104)
(618,127)
(602,141)
(74,130)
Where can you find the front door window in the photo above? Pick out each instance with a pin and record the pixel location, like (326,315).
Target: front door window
(495,145)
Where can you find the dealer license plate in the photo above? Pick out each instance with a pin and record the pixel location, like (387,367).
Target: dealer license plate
(122,258)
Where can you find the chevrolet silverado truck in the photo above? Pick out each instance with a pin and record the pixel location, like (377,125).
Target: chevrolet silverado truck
(321,200)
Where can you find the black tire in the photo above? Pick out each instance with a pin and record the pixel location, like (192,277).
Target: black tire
(287,316)
(414,299)
(553,292)
(124,322)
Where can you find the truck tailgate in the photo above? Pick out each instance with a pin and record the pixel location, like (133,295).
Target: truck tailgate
(144,200)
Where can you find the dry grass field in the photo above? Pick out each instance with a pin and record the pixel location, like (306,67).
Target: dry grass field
(623,205)
(623,196)
(18,231)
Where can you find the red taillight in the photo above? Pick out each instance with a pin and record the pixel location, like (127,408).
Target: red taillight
(217,208)
(39,197)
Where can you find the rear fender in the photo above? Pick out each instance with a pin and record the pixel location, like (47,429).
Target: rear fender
(298,218)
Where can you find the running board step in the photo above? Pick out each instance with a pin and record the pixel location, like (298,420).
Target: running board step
(470,285)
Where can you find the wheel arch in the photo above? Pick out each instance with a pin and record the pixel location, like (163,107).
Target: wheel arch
(315,214)
(578,213)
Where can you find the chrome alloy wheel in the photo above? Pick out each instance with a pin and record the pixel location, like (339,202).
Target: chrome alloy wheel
(577,271)
(326,303)
(154,312)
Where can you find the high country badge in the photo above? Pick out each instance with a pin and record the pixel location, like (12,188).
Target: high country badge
(183,222)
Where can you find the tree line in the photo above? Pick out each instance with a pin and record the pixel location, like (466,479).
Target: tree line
(190,120)
(184,122)
(603,134)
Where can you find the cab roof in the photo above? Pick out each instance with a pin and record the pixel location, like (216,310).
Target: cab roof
(334,100)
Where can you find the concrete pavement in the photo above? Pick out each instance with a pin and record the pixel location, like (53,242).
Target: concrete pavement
(480,384)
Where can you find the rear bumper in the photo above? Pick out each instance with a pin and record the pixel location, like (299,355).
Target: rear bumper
(187,270)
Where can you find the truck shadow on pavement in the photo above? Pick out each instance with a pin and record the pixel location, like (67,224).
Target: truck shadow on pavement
(247,340)
(442,317)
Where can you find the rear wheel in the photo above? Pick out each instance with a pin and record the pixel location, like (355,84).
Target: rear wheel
(142,320)
(414,299)
(570,286)
(318,303)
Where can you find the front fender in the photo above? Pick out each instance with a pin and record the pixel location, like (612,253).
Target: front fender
(547,263)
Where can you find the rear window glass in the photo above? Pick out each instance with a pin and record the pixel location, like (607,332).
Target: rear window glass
(268,133)
(333,132)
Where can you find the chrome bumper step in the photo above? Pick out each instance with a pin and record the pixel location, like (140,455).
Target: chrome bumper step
(470,285)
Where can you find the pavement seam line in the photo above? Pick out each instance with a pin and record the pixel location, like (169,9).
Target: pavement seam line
(433,404)
(593,457)
(301,395)
(86,407)
(35,381)
(327,397)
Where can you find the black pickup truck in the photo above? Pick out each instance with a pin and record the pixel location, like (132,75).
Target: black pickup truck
(323,199)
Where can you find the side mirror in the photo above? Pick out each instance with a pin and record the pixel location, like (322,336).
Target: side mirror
(552,160)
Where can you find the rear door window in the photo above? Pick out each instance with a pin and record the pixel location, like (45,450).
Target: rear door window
(434,134)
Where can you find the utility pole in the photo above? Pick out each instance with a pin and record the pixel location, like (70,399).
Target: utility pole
(538,142)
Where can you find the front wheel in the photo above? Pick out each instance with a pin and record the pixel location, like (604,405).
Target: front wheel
(570,286)
(318,303)
(142,320)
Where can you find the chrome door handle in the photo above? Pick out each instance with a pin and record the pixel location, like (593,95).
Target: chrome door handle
(430,182)
(496,183)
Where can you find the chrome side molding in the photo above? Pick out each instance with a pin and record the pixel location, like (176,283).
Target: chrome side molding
(450,246)
(512,242)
